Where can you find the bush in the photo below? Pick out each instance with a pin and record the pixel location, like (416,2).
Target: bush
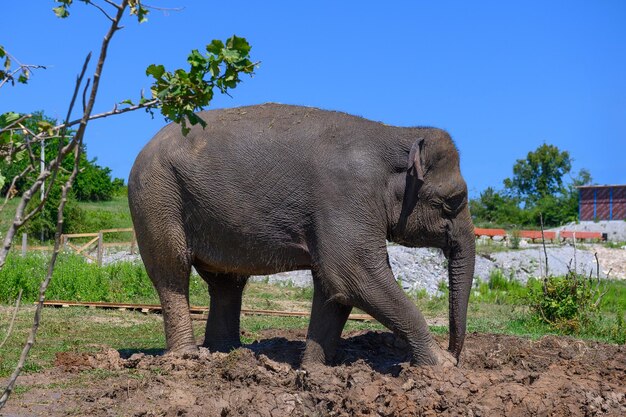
(515,239)
(565,303)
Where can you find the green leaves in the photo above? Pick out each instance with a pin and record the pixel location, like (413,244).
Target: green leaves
(61,10)
(7,118)
(156,71)
(7,135)
(135,6)
(540,174)
(5,72)
(181,93)
(138,10)
(9,142)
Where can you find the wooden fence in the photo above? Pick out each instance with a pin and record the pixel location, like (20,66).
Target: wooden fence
(96,241)
(535,235)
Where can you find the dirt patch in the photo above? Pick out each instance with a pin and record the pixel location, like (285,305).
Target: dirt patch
(612,261)
(499,375)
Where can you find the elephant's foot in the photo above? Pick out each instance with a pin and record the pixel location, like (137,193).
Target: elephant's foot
(435,357)
(183,349)
(445,358)
(222,346)
(313,354)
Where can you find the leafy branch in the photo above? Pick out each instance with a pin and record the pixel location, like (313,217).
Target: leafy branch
(8,73)
(177,94)
(182,93)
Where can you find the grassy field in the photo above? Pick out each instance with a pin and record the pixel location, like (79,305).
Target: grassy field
(497,306)
(97,216)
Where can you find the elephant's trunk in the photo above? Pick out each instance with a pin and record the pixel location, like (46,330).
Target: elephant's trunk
(461,259)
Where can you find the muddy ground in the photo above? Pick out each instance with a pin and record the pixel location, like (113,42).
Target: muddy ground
(499,375)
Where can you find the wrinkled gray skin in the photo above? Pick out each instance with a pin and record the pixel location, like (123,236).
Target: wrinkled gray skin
(272,188)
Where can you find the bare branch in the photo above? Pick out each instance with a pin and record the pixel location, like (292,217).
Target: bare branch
(15,123)
(15,310)
(11,191)
(44,284)
(23,68)
(31,155)
(85,93)
(51,170)
(112,3)
(104,12)
(164,9)
(116,110)
(78,138)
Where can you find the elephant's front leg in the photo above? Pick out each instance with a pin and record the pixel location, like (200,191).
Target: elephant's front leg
(328,317)
(380,296)
(364,279)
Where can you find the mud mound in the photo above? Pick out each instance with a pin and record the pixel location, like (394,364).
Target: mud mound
(499,375)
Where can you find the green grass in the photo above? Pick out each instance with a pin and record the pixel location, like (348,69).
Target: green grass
(486,248)
(498,305)
(614,245)
(106,214)
(7,214)
(75,279)
(125,282)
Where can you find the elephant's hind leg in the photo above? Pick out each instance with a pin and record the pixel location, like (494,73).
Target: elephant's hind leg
(328,317)
(171,280)
(222,326)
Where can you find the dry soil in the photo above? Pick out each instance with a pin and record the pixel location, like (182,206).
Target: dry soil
(498,375)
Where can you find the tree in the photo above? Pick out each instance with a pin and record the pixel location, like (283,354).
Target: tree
(540,174)
(538,187)
(93,183)
(496,208)
(176,94)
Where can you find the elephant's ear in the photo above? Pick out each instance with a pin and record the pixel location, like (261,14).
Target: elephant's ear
(414,165)
(414,181)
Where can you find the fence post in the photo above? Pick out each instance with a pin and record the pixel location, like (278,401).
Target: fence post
(100,248)
(133,242)
(24,244)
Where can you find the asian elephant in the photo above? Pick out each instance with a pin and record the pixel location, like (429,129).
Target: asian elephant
(270,188)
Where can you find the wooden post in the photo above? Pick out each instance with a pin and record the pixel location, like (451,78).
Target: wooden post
(24,244)
(100,248)
(133,242)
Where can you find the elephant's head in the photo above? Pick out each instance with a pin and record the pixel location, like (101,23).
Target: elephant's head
(432,211)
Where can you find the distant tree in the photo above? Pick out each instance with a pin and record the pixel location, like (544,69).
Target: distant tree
(496,208)
(538,187)
(93,182)
(540,174)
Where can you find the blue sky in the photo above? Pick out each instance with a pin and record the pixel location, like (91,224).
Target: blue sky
(501,77)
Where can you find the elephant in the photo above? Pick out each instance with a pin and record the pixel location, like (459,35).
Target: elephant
(270,188)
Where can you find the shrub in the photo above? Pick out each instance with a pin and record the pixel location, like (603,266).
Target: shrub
(515,239)
(566,303)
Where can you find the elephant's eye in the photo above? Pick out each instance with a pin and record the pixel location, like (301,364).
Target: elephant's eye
(454,204)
